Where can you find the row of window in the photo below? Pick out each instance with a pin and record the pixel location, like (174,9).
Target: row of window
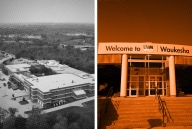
(63,94)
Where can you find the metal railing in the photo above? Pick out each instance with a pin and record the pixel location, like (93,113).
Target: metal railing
(165,112)
(104,106)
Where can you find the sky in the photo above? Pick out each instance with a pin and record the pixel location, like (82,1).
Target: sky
(157,21)
(54,11)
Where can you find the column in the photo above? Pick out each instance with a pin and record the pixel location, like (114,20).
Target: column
(124,73)
(167,86)
(172,76)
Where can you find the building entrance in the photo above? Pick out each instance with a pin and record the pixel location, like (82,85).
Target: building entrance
(140,85)
(136,86)
(155,84)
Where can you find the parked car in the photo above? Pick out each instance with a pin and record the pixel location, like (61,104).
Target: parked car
(3,79)
(4,84)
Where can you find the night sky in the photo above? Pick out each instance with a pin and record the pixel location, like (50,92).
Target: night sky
(158,21)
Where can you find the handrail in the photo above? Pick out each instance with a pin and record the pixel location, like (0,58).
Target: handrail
(105,105)
(165,111)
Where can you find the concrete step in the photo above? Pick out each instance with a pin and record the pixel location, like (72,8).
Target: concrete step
(131,117)
(135,112)
(153,124)
(139,124)
(158,127)
(144,111)
(181,123)
(138,108)
(147,103)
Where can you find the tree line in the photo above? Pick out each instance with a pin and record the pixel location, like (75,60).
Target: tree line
(56,120)
(82,60)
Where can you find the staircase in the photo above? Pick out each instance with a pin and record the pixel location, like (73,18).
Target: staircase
(125,113)
(180,109)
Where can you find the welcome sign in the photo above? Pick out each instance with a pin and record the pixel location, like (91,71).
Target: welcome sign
(144,48)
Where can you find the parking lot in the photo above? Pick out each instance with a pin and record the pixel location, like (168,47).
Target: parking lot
(6,100)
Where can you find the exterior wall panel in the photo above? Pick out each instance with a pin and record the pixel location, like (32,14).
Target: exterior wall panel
(109,59)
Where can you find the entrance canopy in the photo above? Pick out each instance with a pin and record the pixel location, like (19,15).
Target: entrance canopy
(144,48)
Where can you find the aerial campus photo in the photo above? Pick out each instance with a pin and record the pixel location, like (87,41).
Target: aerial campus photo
(47,77)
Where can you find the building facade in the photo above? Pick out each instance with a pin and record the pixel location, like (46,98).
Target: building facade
(56,89)
(145,67)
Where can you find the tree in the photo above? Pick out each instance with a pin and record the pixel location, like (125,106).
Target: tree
(33,121)
(12,111)
(74,126)
(72,116)
(9,123)
(20,122)
(3,114)
(62,122)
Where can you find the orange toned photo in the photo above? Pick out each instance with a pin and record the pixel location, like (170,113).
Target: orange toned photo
(144,64)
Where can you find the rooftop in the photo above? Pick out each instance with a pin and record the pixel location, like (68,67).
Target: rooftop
(18,67)
(47,83)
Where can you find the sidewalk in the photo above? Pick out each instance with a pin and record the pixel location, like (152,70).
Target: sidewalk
(76,103)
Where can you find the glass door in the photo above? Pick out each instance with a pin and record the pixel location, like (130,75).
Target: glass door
(136,86)
(133,86)
(155,82)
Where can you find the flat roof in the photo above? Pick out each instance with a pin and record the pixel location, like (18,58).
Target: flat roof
(16,67)
(68,70)
(47,83)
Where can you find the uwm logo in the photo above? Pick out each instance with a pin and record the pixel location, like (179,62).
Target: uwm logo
(148,47)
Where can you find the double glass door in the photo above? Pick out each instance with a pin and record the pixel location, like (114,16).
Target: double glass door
(136,86)
(155,84)
(140,85)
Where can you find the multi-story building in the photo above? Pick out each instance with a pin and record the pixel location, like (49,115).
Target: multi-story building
(55,89)
(17,68)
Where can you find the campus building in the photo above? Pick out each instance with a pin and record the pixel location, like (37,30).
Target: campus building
(19,68)
(54,90)
(51,90)
(145,67)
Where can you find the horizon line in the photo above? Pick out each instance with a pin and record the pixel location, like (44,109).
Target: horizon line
(46,23)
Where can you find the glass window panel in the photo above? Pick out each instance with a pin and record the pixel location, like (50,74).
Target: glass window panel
(133,84)
(147,85)
(152,84)
(133,78)
(141,84)
(159,78)
(141,78)
(133,92)
(152,92)
(152,78)
(160,91)
(159,84)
